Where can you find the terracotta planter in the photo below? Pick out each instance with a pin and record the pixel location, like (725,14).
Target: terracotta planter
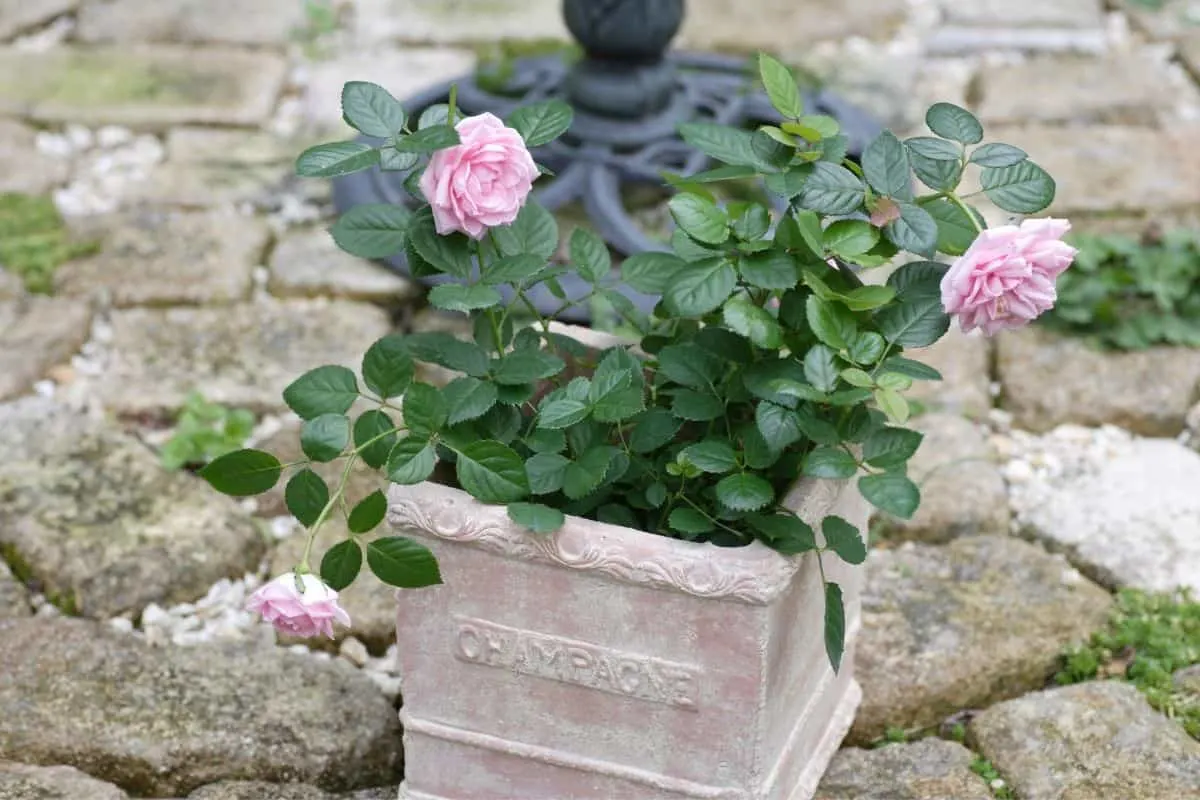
(607,663)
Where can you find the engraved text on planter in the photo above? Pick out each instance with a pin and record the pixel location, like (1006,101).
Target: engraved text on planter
(579,663)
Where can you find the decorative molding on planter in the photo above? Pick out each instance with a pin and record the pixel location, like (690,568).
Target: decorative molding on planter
(754,574)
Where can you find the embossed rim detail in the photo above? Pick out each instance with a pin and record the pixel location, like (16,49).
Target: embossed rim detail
(755,574)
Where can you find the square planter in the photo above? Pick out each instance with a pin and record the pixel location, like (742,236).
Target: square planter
(607,663)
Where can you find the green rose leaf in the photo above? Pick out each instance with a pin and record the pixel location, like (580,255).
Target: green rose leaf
(779,426)
(820,369)
(781,87)
(867,347)
(341,564)
(536,517)
(865,298)
(372,230)
(889,448)
(427,140)
(621,403)
(914,322)
(830,462)
(562,413)
(650,272)
(392,160)
(306,496)
(835,625)
(933,148)
(699,218)
(744,492)
(725,144)
(387,367)
(785,533)
(492,472)
(526,365)
(468,398)
(843,538)
(545,472)
(513,269)
(689,521)
(533,231)
(915,230)
(436,114)
(773,269)
(940,175)
(954,123)
(424,409)
(689,365)
(743,317)
(858,377)
(403,563)
(541,123)
(336,159)
(832,189)
(411,461)
(449,254)
(324,390)
(955,231)
(443,349)
(367,513)
(589,255)
(851,237)
(582,476)
(696,406)
(242,473)
(891,492)
(376,427)
(1023,188)
(711,456)
(652,430)
(808,229)
(893,404)
(371,109)
(699,288)
(833,324)
(324,438)
(456,297)
(913,369)
(998,155)
(885,163)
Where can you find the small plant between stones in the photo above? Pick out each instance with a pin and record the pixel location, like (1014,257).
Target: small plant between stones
(1130,294)
(34,240)
(1150,637)
(204,431)
(767,358)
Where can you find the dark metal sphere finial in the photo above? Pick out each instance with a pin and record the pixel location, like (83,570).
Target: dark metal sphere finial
(635,30)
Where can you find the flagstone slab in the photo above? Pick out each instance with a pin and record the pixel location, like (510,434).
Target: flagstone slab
(171,259)
(929,769)
(19,16)
(261,22)
(142,86)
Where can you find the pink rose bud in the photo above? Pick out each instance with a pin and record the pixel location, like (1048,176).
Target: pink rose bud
(482,182)
(1006,277)
(299,605)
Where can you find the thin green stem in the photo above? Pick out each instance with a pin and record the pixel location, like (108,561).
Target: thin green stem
(966,209)
(324,515)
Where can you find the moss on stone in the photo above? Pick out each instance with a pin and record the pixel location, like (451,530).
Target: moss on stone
(1149,638)
(34,240)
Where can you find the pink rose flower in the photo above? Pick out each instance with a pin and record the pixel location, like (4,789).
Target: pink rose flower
(299,605)
(1006,277)
(482,182)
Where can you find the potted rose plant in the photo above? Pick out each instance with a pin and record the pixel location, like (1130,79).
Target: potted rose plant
(646,555)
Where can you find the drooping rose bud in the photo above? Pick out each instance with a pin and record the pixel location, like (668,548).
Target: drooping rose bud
(299,605)
(1006,277)
(483,181)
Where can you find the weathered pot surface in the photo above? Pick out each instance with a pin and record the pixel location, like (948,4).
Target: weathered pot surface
(609,663)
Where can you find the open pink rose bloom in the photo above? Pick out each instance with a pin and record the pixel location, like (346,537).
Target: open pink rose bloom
(483,181)
(1006,278)
(299,605)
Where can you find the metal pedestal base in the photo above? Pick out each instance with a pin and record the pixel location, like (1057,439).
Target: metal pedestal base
(600,155)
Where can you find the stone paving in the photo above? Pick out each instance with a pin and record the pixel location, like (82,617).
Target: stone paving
(167,131)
